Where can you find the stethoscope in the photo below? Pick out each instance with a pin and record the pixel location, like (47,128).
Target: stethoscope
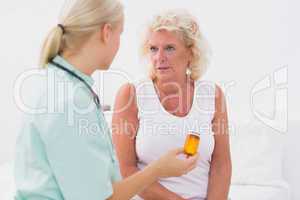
(95,96)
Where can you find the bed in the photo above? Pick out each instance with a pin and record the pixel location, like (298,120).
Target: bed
(264,164)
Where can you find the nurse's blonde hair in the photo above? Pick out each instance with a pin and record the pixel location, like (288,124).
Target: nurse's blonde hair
(187,28)
(79,22)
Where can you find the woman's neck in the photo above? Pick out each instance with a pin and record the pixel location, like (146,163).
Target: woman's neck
(174,86)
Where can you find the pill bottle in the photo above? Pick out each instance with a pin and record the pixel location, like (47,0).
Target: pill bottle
(192,142)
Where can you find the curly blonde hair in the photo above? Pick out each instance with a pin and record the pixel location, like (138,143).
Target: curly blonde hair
(186,27)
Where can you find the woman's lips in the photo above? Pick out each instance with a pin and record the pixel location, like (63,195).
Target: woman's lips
(163,68)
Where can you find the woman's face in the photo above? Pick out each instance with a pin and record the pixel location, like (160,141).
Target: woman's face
(168,55)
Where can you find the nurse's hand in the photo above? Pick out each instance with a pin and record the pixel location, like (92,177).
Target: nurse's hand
(171,165)
(166,166)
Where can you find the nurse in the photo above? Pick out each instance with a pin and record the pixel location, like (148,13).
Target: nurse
(64,149)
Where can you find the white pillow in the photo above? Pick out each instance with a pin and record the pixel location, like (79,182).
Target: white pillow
(291,163)
(257,155)
(250,192)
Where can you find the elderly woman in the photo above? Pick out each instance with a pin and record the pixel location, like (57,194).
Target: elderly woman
(155,114)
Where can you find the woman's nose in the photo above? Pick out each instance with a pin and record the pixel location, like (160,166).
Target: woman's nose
(160,56)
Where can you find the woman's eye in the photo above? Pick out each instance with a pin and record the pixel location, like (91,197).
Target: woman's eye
(170,48)
(153,49)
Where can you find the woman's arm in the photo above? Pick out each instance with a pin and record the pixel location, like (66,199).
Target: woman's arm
(220,170)
(125,125)
(166,166)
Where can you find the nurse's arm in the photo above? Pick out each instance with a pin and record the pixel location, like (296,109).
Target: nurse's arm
(134,184)
(166,166)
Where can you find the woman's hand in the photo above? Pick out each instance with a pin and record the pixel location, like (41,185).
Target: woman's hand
(170,165)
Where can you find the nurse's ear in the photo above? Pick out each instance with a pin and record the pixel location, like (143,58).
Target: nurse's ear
(106,33)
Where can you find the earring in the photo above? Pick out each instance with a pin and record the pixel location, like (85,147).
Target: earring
(188,71)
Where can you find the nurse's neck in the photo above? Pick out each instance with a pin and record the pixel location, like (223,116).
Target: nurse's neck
(80,61)
(89,56)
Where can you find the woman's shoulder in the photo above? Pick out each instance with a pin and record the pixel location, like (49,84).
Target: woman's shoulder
(126,94)
(130,93)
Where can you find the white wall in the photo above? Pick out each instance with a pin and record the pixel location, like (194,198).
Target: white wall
(250,40)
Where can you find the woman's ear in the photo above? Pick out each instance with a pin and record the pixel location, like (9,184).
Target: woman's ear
(106,33)
(190,55)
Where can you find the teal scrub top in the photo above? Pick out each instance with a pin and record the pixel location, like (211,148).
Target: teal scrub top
(64,149)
